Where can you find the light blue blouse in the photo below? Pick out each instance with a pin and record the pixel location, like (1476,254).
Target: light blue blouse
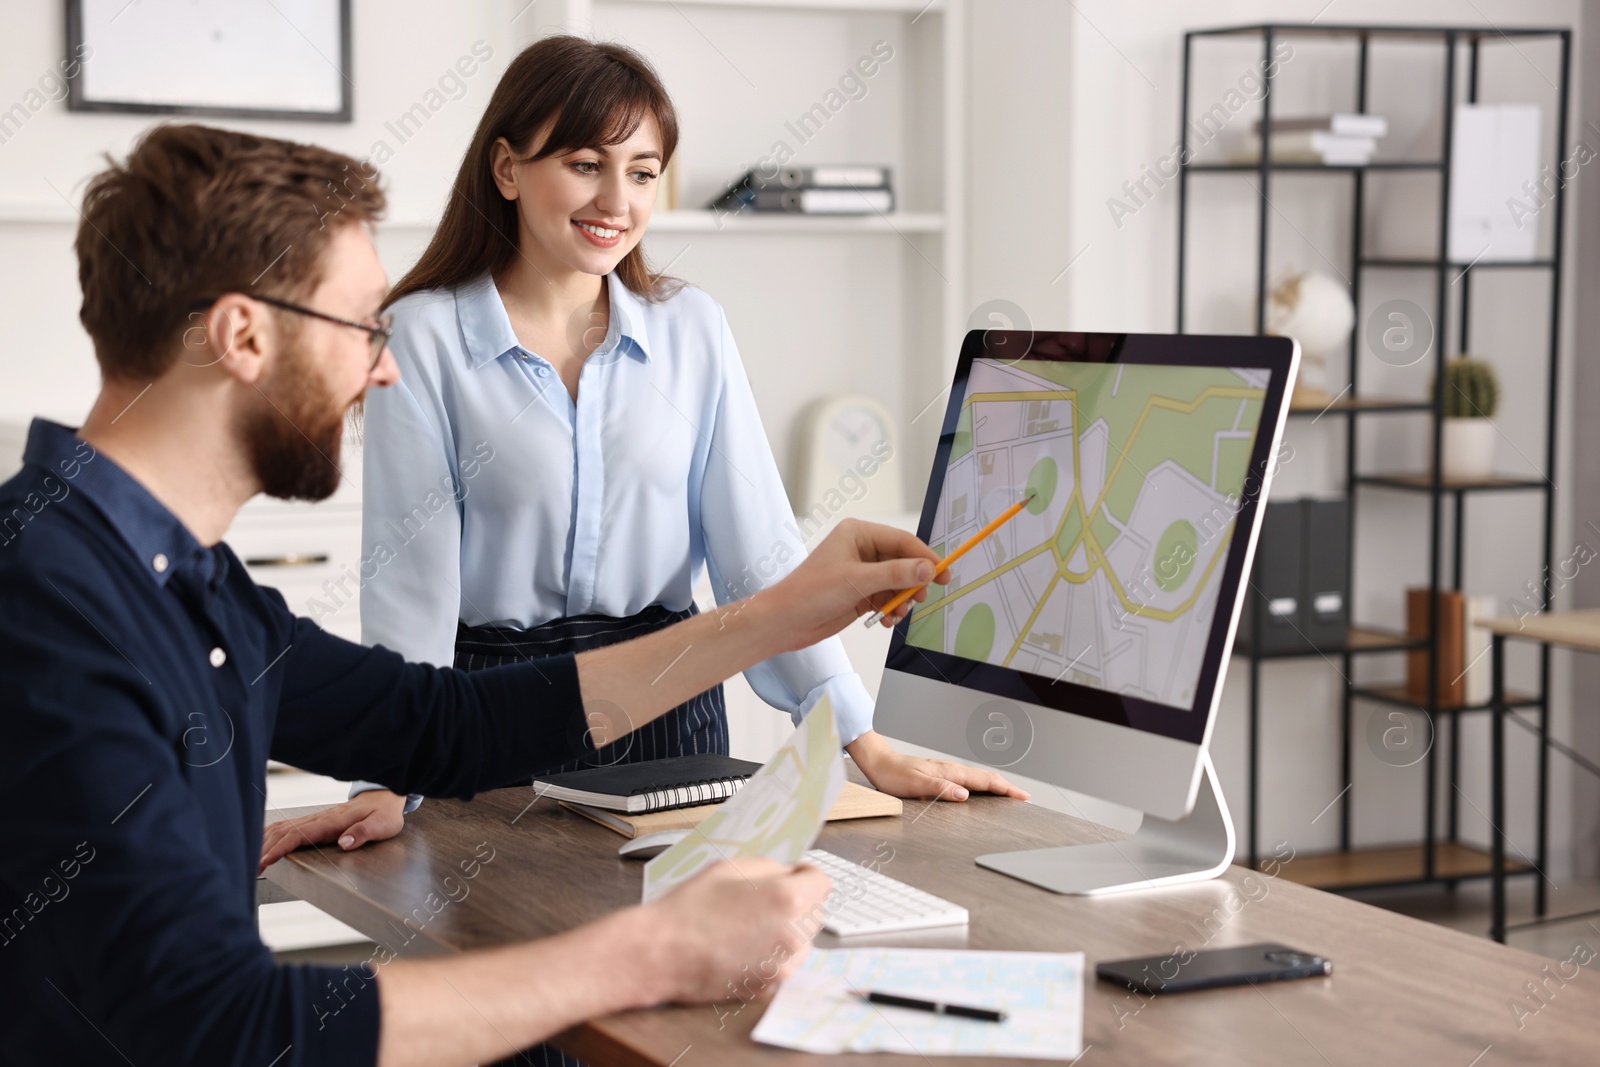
(491,496)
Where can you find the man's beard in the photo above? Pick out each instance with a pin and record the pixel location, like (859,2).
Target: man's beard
(293,434)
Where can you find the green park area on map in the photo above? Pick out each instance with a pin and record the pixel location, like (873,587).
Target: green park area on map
(1110,576)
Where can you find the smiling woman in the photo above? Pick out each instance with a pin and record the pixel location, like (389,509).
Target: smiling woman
(635,458)
(563,96)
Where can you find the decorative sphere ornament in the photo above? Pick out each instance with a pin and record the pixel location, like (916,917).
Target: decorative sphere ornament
(1315,309)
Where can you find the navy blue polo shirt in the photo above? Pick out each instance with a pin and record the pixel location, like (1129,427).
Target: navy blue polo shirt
(145,680)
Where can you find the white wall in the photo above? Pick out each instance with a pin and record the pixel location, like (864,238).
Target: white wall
(400,53)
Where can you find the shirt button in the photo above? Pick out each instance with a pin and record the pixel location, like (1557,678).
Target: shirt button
(160,563)
(543,372)
(218,657)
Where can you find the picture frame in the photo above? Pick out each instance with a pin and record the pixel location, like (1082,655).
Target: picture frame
(284,59)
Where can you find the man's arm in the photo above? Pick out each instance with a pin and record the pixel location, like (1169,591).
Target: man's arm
(143,937)
(360,713)
(732,921)
(856,568)
(351,712)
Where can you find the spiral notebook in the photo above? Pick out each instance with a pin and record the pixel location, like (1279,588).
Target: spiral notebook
(854,802)
(654,785)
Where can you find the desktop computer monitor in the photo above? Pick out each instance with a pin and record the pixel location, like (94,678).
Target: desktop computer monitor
(1085,641)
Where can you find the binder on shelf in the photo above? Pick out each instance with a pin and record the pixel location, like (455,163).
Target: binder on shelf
(823,201)
(823,190)
(1276,584)
(1327,571)
(1448,642)
(834,176)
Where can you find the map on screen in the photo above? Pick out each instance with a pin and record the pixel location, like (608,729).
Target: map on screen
(1110,576)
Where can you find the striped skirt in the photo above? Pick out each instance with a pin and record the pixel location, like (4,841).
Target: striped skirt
(700,724)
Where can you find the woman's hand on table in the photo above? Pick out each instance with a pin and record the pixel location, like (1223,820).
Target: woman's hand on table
(910,777)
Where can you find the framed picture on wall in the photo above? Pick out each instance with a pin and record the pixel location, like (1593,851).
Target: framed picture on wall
(263,59)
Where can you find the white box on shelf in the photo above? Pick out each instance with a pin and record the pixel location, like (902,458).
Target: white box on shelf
(1494,170)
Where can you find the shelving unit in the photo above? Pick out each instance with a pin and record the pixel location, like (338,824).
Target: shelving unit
(1436,858)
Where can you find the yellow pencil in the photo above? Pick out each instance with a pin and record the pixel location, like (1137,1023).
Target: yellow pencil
(906,594)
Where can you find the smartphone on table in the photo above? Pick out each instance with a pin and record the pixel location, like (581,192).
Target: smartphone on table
(1184,970)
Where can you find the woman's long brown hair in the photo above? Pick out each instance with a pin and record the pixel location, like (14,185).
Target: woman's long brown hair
(597,94)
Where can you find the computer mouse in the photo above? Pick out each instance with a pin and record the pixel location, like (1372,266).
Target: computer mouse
(647,845)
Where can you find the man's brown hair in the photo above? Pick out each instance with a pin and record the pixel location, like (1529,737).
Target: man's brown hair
(195,212)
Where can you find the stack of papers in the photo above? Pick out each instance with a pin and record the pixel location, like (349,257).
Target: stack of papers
(818,1008)
(1335,140)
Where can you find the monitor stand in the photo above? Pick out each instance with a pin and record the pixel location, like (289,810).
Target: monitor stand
(1160,852)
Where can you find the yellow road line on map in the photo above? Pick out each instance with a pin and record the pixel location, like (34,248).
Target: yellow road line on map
(997,572)
(1063,394)
(1086,536)
(1029,624)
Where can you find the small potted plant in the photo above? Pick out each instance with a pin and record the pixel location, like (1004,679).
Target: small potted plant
(1471,396)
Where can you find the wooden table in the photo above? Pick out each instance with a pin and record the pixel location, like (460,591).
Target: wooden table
(1576,630)
(1403,991)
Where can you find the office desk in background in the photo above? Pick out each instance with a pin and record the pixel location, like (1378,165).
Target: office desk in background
(1402,991)
(1576,631)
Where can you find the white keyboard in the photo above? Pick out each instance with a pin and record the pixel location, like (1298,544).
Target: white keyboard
(865,901)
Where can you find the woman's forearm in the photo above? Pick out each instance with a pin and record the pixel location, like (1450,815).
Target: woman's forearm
(633,683)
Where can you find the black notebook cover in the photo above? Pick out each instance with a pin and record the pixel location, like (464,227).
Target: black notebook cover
(653,785)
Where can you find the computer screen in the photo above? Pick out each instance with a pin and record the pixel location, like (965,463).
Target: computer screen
(1101,597)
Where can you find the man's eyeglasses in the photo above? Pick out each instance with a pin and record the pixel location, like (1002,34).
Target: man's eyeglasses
(378,336)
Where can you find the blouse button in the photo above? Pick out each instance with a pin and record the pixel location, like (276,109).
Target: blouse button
(218,657)
(160,562)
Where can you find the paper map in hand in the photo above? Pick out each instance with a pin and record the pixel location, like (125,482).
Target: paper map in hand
(778,813)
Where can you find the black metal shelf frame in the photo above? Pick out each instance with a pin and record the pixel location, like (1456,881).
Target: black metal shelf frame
(1451,38)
